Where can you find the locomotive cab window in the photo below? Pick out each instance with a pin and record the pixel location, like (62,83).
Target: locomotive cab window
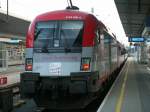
(58,36)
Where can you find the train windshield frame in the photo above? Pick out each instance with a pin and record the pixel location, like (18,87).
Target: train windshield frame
(58,36)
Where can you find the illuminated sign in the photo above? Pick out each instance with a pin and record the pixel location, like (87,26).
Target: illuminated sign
(136,39)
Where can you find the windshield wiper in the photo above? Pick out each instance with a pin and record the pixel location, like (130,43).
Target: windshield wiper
(45,49)
(66,48)
(37,34)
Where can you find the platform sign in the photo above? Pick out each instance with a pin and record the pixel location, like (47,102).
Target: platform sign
(136,39)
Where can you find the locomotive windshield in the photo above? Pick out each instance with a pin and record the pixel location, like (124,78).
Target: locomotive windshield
(58,36)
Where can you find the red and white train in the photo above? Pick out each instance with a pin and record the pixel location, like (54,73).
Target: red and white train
(69,54)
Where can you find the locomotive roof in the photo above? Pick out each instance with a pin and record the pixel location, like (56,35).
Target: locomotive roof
(63,15)
(90,20)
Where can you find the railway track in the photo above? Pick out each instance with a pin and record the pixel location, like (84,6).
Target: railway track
(22,105)
(92,107)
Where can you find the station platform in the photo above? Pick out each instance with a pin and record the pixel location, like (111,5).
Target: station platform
(130,91)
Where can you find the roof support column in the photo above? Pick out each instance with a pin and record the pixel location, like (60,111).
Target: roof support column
(139,5)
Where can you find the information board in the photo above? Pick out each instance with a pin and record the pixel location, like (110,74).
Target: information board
(136,39)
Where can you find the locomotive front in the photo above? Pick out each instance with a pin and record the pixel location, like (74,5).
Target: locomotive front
(59,57)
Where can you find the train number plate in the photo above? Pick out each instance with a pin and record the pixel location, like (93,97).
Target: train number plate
(55,68)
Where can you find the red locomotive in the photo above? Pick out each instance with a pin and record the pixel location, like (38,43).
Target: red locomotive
(69,54)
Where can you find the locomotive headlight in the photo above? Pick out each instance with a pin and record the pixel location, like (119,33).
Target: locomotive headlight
(29,64)
(85,63)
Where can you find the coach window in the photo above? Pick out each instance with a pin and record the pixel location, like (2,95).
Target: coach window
(101,34)
(97,37)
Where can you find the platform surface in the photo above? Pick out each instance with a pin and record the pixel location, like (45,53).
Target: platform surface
(13,75)
(131,90)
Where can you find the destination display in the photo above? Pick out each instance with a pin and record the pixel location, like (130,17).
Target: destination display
(136,39)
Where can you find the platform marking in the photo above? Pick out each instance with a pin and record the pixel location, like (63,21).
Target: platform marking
(108,94)
(122,92)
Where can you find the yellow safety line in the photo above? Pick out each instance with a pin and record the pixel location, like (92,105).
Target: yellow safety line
(122,92)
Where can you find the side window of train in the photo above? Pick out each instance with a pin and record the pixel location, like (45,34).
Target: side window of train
(97,37)
(101,33)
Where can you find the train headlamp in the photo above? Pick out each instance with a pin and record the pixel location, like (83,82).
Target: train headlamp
(85,63)
(29,64)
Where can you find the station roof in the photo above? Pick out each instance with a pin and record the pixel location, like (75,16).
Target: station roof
(133,14)
(12,26)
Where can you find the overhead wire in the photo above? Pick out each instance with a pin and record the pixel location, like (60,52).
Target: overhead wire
(68,2)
